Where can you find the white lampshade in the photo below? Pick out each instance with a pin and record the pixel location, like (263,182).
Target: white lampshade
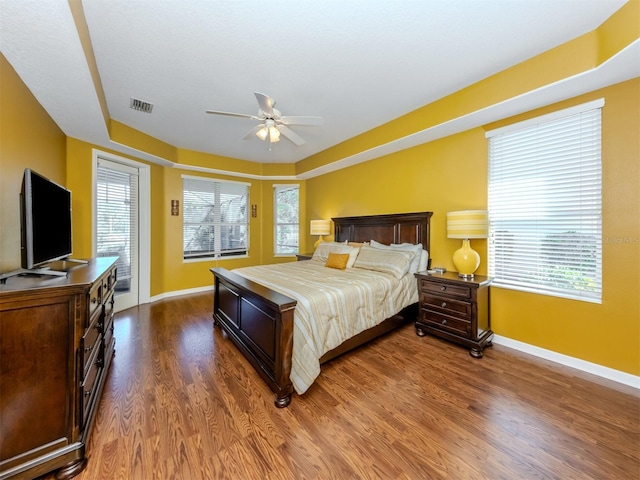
(467,224)
(320,227)
(270,131)
(274,134)
(262,133)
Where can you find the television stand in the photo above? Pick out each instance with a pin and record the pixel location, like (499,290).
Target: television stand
(75,260)
(57,345)
(42,271)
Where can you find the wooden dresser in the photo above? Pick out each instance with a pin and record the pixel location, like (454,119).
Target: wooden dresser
(56,346)
(456,309)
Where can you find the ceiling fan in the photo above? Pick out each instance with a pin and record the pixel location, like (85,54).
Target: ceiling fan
(272,122)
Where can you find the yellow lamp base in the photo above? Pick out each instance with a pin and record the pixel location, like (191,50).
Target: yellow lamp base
(318,242)
(466,260)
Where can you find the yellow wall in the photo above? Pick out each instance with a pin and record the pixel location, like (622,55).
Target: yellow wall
(451,174)
(28,138)
(414,180)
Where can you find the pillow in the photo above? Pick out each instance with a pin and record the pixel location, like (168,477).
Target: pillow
(415,249)
(375,244)
(357,244)
(386,260)
(322,252)
(424,261)
(410,247)
(337,260)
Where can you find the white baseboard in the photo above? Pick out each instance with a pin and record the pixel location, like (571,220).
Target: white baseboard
(593,368)
(178,293)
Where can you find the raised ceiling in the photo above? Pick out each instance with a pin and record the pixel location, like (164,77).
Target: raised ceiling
(357,64)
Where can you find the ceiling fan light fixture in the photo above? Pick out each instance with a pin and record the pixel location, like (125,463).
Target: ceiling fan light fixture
(274,123)
(262,133)
(274,134)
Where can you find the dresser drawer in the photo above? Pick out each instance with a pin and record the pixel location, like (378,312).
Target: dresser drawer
(445,289)
(446,305)
(448,323)
(108,307)
(111,280)
(89,343)
(95,299)
(89,386)
(108,329)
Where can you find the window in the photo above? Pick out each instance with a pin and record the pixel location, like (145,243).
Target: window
(215,220)
(545,215)
(286,207)
(117,220)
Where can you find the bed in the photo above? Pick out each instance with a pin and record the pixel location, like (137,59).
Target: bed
(260,320)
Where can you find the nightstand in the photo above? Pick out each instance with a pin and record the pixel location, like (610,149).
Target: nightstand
(304,256)
(455,309)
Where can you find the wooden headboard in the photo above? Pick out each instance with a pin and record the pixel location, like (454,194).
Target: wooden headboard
(387,229)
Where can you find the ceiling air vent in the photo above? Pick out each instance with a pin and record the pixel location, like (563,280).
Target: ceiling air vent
(140,105)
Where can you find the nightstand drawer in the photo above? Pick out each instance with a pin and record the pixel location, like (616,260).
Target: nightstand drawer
(455,290)
(454,325)
(446,305)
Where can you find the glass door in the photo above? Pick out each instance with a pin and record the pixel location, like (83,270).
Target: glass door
(117,226)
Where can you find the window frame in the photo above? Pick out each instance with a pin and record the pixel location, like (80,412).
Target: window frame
(561,240)
(276,223)
(216,253)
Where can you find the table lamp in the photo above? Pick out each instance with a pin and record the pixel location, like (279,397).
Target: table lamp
(467,224)
(320,227)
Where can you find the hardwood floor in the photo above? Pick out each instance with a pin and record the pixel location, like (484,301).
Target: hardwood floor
(181,402)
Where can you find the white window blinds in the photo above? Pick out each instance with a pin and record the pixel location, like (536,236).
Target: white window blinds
(545,182)
(215,220)
(286,206)
(117,218)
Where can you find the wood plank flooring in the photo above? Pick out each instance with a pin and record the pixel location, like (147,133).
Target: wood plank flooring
(182,403)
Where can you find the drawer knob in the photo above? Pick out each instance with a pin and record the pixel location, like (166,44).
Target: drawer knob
(443,304)
(443,288)
(444,321)
(94,300)
(87,393)
(89,348)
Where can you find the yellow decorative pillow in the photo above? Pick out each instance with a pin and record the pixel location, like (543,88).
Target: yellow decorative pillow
(337,260)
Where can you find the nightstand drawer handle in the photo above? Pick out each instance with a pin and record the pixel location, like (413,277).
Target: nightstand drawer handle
(444,321)
(443,304)
(443,288)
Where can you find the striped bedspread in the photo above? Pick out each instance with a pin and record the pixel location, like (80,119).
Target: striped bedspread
(333,306)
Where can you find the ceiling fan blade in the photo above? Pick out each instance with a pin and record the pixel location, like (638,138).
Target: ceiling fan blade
(266,103)
(291,135)
(288,120)
(252,132)
(229,114)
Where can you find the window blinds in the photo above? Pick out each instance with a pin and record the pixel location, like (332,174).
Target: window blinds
(117,220)
(545,204)
(215,221)
(286,201)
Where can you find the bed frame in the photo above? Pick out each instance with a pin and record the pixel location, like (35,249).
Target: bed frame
(260,321)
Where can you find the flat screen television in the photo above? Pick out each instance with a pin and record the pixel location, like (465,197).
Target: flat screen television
(45,221)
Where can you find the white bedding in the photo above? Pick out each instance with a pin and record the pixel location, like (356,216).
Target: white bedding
(333,306)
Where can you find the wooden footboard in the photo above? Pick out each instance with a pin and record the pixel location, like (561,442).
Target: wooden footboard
(260,322)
